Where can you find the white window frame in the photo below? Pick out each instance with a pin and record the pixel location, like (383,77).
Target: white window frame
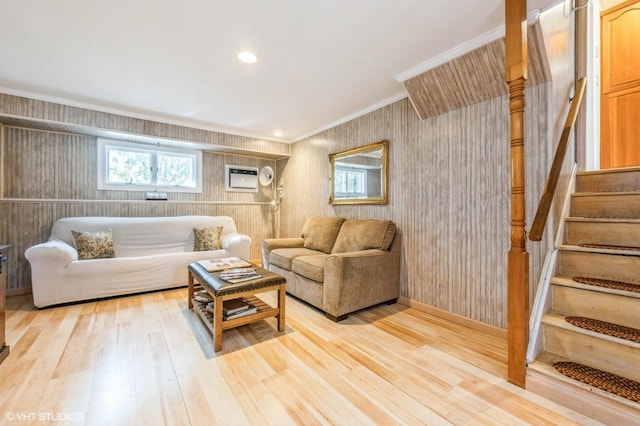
(352,170)
(153,150)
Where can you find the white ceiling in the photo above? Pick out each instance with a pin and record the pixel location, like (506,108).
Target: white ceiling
(319,63)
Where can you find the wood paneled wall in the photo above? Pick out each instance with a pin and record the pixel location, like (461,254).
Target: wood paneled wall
(48,175)
(449,191)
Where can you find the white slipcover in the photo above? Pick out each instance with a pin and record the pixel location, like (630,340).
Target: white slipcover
(151,253)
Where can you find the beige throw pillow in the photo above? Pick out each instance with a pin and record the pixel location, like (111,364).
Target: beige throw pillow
(356,235)
(320,233)
(93,245)
(207,238)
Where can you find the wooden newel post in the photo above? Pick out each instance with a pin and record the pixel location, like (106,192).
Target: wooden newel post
(518,260)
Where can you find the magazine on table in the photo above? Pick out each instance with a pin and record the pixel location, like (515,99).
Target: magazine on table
(234,308)
(238,275)
(214,265)
(242,279)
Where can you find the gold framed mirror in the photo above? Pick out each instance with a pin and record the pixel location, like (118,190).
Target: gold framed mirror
(360,175)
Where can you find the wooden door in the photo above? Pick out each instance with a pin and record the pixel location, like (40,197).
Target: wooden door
(620,92)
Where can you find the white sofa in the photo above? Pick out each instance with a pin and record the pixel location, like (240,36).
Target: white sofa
(151,253)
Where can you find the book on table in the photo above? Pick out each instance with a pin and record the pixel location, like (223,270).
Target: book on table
(214,265)
(236,308)
(233,306)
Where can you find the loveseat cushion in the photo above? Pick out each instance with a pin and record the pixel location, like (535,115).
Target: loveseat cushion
(356,235)
(320,233)
(311,267)
(283,257)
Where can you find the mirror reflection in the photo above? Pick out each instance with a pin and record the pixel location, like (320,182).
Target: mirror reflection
(359,175)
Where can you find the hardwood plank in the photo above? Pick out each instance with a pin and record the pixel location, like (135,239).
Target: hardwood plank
(298,408)
(403,407)
(244,371)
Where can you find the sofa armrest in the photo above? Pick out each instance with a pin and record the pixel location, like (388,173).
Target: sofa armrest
(357,280)
(53,253)
(276,243)
(238,245)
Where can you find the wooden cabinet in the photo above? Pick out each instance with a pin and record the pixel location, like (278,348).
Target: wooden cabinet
(4,349)
(620,98)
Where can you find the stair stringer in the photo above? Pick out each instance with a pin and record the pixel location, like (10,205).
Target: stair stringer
(542,301)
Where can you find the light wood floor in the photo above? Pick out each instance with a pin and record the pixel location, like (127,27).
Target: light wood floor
(148,360)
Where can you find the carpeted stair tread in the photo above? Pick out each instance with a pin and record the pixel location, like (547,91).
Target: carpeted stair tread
(612,383)
(608,247)
(615,330)
(616,285)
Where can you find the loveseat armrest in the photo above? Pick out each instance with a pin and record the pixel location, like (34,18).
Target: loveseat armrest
(357,280)
(238,245)
(51,254)
(276,243)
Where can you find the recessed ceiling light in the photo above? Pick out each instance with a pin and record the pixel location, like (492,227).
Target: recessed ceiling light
(247,57)
(278,133)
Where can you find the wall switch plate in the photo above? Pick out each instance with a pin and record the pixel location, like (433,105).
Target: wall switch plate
(155,195)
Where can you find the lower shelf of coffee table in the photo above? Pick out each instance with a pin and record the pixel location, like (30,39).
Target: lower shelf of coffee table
(264,311)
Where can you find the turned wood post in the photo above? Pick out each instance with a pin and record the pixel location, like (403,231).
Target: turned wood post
(518,260)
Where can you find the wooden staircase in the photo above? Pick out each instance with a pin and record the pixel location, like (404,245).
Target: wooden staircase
(600,250)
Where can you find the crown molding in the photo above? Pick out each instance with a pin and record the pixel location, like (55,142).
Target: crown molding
(367,110)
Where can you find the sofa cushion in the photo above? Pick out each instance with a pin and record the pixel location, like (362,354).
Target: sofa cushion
(207,238)
(311,267)
(93,245)
(356,235)
(320,233)
(283,257)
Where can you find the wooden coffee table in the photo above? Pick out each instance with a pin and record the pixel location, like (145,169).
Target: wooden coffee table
(220,290)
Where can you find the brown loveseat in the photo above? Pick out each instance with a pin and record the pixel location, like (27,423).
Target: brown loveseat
(338,265)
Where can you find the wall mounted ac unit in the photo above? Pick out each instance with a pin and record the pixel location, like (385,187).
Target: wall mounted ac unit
(240,178)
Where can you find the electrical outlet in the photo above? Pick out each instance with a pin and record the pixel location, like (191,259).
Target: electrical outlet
(155,195)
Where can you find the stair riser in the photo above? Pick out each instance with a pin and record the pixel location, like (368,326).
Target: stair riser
(602,205)
(597,265)
(619,181)
(607,307)
(594,352)
(614,234)
(580,398)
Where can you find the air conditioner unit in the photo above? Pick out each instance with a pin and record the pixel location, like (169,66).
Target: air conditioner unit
(240,178)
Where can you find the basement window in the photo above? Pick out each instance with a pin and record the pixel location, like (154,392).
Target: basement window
(129,166)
